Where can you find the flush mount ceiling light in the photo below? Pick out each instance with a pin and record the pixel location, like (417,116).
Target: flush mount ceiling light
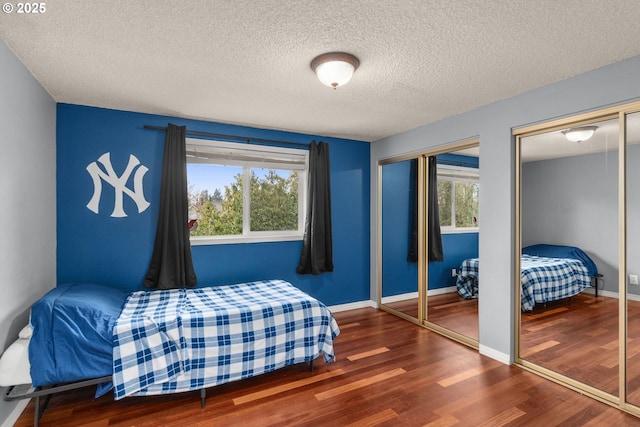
(579,134)
(335,68)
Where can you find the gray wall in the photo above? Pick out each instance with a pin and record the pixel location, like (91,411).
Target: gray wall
(493,123)
(28,194)
(574,201)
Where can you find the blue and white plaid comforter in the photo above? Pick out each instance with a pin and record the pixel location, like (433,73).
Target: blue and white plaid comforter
(467,281)
(186,339)
(543,279)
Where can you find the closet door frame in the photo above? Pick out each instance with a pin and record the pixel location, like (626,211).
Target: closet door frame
(423,266)
(620,112)
(421,280)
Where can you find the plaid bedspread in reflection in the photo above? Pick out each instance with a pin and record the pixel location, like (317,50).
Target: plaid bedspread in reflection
(551,279)
(543,279)
(178,340)
(467,281)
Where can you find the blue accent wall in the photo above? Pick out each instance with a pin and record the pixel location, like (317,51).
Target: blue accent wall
(399,276)
(456,247)
(116,252)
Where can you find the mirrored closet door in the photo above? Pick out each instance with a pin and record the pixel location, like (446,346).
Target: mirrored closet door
(632,259)
(452,301)
(399,285)
(569,253)
(413,286)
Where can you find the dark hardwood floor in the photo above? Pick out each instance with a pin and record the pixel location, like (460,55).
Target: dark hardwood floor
(448,310)
(388,372)
(579,337)
(453,312)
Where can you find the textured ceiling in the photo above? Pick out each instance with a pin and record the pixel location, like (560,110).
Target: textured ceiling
(247,62)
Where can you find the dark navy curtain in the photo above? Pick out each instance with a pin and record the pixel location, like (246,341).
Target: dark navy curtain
(434,245)
(171,264)
(412,256)
(316,256)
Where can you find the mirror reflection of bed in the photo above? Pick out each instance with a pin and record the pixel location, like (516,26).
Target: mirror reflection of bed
(569,197)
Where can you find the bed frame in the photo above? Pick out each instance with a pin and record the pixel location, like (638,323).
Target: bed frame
(261,291)
(26,391)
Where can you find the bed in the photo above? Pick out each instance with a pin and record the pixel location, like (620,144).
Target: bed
(548,273)
(169,341)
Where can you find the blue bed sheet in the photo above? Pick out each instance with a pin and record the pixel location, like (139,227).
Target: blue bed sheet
(73,333)
(557,251)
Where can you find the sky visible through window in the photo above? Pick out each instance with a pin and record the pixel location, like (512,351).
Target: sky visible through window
(211,177)
(206,177)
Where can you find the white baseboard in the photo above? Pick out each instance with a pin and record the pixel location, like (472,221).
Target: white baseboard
(495,354)
(15,413)
(441,291)
(352,306)
(399,297)
(610,294)
(414,295)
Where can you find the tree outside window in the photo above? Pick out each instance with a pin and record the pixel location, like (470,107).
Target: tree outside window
(458,195)
(240,195)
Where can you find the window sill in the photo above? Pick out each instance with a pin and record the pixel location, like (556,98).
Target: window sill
(460,230)
(229,240)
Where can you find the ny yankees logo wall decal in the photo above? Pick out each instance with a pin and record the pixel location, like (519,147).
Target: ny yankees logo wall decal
(119,183)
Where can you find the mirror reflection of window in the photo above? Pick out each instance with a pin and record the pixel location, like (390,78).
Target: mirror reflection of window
(458,196)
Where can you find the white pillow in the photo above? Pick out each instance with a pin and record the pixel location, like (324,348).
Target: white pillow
(14,364)
(26,332)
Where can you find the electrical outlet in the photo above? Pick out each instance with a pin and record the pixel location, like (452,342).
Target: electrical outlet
(633,279)
(454,273)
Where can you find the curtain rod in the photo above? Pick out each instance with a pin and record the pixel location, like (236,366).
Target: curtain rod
(233,137)
(458,163)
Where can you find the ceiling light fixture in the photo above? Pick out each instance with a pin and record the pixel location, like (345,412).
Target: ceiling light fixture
(579,134)
(335,68)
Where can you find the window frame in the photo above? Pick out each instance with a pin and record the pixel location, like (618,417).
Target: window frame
(269,155)
(460,174)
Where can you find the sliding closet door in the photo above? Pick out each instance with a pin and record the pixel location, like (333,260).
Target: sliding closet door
(411,286)
(569,197)
(398,194)
(632,170)
(458,192)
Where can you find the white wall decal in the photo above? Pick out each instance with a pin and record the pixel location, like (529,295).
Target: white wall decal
(119,183)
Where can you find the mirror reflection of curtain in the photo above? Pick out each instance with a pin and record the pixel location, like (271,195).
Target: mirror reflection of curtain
(434,246)
(413,211)
(435,252)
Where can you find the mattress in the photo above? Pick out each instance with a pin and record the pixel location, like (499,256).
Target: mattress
(14,364)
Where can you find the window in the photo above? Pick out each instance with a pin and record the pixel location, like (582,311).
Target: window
(458,190)
(240,193)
